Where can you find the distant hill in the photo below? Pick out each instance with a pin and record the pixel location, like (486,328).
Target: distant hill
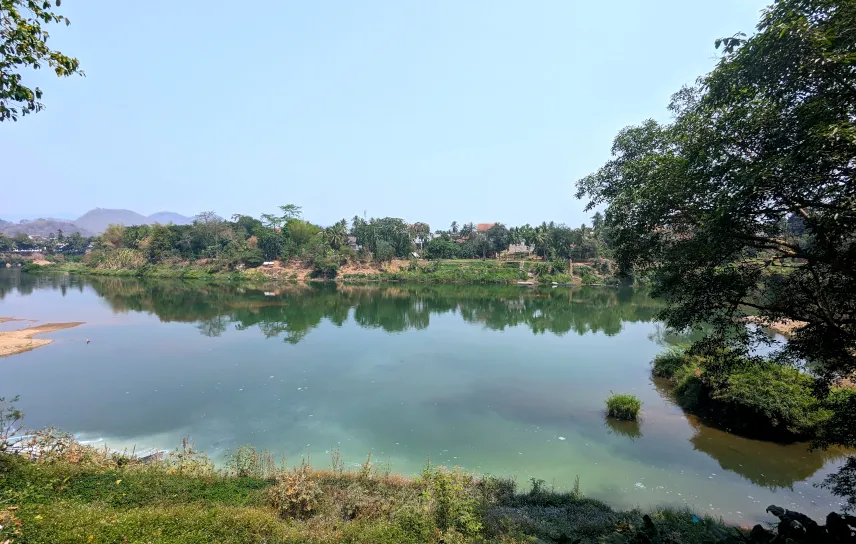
(41,227)
(98,219)
(165,218)
(91,223)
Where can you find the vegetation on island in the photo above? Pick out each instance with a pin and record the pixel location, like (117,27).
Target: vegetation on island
(743,207)
(623,406)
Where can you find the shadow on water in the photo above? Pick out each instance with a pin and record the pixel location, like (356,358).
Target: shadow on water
(767,464)
(630,429)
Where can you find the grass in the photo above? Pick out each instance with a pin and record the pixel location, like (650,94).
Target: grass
(623,406)
(78,494)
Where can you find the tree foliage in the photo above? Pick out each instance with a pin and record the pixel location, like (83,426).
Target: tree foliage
(23,45)
(768,135)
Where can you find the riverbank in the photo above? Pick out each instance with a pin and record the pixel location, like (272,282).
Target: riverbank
(14,342)
(753,396)
(474,271)
(76,493)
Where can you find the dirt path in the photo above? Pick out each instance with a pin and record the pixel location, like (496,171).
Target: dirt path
(13,342)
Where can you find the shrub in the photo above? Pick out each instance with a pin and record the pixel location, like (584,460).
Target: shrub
(667,363)
(31,267)
(623,406)
(295,493)
(189,461)
(10,422)
(247,461)
(452,505)
(121,259)
(252,257)
(559,266)
(744,393)
(772,397)
(384,251)
(325,269)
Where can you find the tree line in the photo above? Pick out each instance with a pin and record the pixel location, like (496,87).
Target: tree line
(245,241)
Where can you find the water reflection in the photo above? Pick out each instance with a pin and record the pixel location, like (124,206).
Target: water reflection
(504,403)
(767,464)
(630,429)
(291,312)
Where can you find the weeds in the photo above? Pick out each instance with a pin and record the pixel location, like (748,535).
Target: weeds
(623,406)
(296,493)
(10,423)
(247,461)
(75,493)
(187,460)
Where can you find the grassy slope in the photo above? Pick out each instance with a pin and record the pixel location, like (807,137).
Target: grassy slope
(62,501)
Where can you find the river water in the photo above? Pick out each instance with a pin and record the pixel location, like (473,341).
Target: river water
(498,380)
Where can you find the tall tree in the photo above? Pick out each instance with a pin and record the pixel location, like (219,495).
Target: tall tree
(499,237)
(337,235)
(287,212)
(700,203)
(23,44)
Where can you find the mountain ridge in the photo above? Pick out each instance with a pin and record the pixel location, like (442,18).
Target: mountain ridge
(91,223)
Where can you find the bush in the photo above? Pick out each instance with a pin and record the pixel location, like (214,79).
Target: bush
(384,252)
(772,397)
(666,364)
(252,257)
(325,269)
(744,393)
(295,493)
(559,266)
(623,406)
(453,506)
(31,267)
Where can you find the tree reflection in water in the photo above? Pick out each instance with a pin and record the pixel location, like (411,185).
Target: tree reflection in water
(292,311)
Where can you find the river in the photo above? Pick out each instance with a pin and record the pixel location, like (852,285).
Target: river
(498,380)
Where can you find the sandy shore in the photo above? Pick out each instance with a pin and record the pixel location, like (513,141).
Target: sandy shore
(785,328)
(13,342)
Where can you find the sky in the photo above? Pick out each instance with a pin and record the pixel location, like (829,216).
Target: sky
(433,111)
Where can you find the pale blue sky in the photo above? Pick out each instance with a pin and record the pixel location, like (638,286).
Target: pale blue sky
(431,111)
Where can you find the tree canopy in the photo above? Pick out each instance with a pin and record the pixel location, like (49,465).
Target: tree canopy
(23,44)
(704,203)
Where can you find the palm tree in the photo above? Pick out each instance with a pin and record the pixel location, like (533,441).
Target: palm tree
(540,239)
(337,235)
(454,228)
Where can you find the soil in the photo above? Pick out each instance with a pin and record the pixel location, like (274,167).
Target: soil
(297,271)
(14,342)
(786,328)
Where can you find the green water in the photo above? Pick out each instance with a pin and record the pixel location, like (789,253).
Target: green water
(498,380)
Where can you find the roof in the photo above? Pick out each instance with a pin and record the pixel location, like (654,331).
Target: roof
(484,227)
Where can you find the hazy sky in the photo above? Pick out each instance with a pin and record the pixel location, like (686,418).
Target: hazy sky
(431,111)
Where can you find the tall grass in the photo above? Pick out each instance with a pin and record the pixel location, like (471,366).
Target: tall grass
(623,406)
